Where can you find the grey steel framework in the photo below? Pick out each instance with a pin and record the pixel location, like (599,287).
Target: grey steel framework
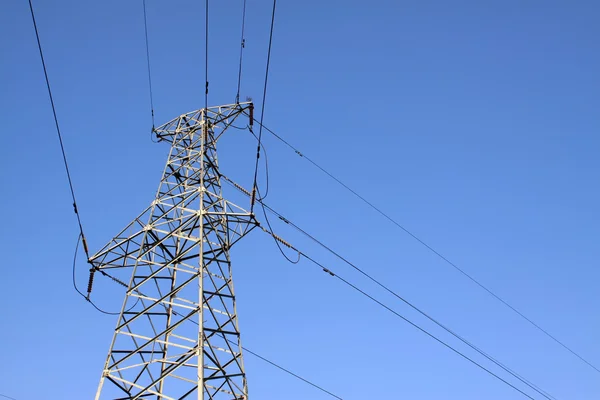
(178,253)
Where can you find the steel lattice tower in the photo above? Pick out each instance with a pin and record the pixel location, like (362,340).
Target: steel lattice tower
(177,335)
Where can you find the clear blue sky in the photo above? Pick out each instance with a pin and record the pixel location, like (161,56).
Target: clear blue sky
(475,124)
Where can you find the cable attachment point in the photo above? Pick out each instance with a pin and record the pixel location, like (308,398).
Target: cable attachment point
(253,199)
(281,217)
(206,88)
(85,246)
(282,241)
(300,154)
(251,114)
(241,189)
(75,208)
(328,271)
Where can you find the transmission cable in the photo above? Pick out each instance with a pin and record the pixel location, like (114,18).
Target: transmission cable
(277,365)
(290,372)
(279,239)
(60,140)
(275,237)
(242,46)
(423,330)
(397,314)
(87,298)
(262,112)
(430,248)
(148,64)
(408,303)
(7,397)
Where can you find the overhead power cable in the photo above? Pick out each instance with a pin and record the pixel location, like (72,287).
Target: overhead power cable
(408,303)
(397,314)
(148,63)
(60,140)
(277,240)
(262,112)
(7,397)
(87,298)
(386,288)
(66,164)
(242,46)
(287,371)
(431,249)
(423,330)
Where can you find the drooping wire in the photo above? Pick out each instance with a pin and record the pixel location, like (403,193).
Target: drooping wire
(60,140)
(431,249)
(397,314)
(300,253)
(262,112)
(149,73)
(79,291)
(7,397)
(274,237)
(421,329)
(264,150)
(276,365)
(242,46)
(405,301)
(87,297)
(288,371)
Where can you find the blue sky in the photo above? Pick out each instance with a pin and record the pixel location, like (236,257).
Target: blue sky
(474,124)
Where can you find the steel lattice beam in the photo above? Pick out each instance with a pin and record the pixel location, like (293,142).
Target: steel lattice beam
(178,254)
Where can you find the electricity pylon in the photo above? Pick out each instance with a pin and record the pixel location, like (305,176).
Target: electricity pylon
(177,336)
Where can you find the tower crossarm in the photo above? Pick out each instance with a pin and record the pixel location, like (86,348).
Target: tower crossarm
(220,118)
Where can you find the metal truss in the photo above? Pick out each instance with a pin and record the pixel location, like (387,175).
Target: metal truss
(178,253)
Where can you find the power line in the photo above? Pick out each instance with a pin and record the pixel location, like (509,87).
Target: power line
(397,314)
(287,371)
(7,397)
(411,305)
(264,150)
(87,298)
(472,346)
(362,292)
(291,373)
(262,112)
(242,46)
(275,238)
(431,249)
(148,63)
(60,140)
